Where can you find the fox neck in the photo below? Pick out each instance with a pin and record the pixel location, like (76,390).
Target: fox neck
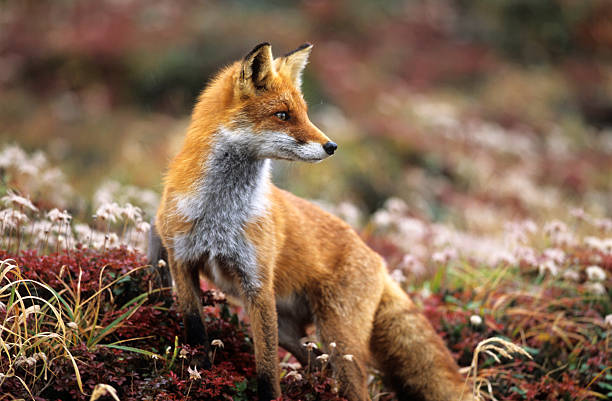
(232,191)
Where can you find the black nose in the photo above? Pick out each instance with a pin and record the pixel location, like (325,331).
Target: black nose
(330,148)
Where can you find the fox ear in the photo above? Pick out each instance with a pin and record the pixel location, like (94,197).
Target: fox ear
(257,68)
(292,64)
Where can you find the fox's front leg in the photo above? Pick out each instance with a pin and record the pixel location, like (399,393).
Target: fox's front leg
(187,285)
(261,307)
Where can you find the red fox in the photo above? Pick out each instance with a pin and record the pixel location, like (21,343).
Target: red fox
(289,262)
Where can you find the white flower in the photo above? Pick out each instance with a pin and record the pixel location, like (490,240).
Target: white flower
(143,227)
(22,360)
(323,358)
(41,228)
(396,206)
(475,320)
(97,239)
(594,243)
(193,373)
(596,288)
(83,232)
(73,325)
(564,239)
(571,275)
(444,256)
(109,212)
(504,257)
(41,355)
(411,228)
(595,273)
(161,263)
(113,239)
(13,198)
(412,264)
(310,346)
(295,375)
(19,361)
(382,219)
(62,240)
(608,320)
(332,345)
(12,218)
(555,254)
(398,276)
(131,212)
(217,343)
(183,353)
(55,215)
(289,365)
(12,156)
(549,266)
(425,292)
(601,245)
(349,213)
(348,357)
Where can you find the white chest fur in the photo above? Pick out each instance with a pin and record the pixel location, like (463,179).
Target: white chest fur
(232,192)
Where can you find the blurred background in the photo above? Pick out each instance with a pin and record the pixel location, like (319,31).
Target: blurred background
(471,112)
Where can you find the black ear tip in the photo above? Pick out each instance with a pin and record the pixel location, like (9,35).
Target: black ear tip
(302,47)
(256,49)
(259,46)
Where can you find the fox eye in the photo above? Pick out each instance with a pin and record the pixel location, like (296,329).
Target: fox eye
(282,115)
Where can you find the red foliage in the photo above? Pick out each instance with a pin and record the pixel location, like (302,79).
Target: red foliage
(136,376)
(85,262)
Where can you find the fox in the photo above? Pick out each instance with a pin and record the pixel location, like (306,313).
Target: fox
(290,263)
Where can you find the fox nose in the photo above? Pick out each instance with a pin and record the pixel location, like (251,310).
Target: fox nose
(330,147)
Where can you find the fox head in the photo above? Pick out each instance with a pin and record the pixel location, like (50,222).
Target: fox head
(266,112)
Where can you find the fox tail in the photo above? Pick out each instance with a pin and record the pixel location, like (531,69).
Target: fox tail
(413,358)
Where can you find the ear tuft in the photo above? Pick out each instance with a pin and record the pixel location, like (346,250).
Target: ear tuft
(257,67)
(292,64)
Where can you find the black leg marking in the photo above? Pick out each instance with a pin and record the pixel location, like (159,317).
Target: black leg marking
(265,388)
(195,332)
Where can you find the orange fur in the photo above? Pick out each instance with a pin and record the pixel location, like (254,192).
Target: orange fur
(311,266)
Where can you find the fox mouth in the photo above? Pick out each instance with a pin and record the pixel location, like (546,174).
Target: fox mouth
(296,156)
